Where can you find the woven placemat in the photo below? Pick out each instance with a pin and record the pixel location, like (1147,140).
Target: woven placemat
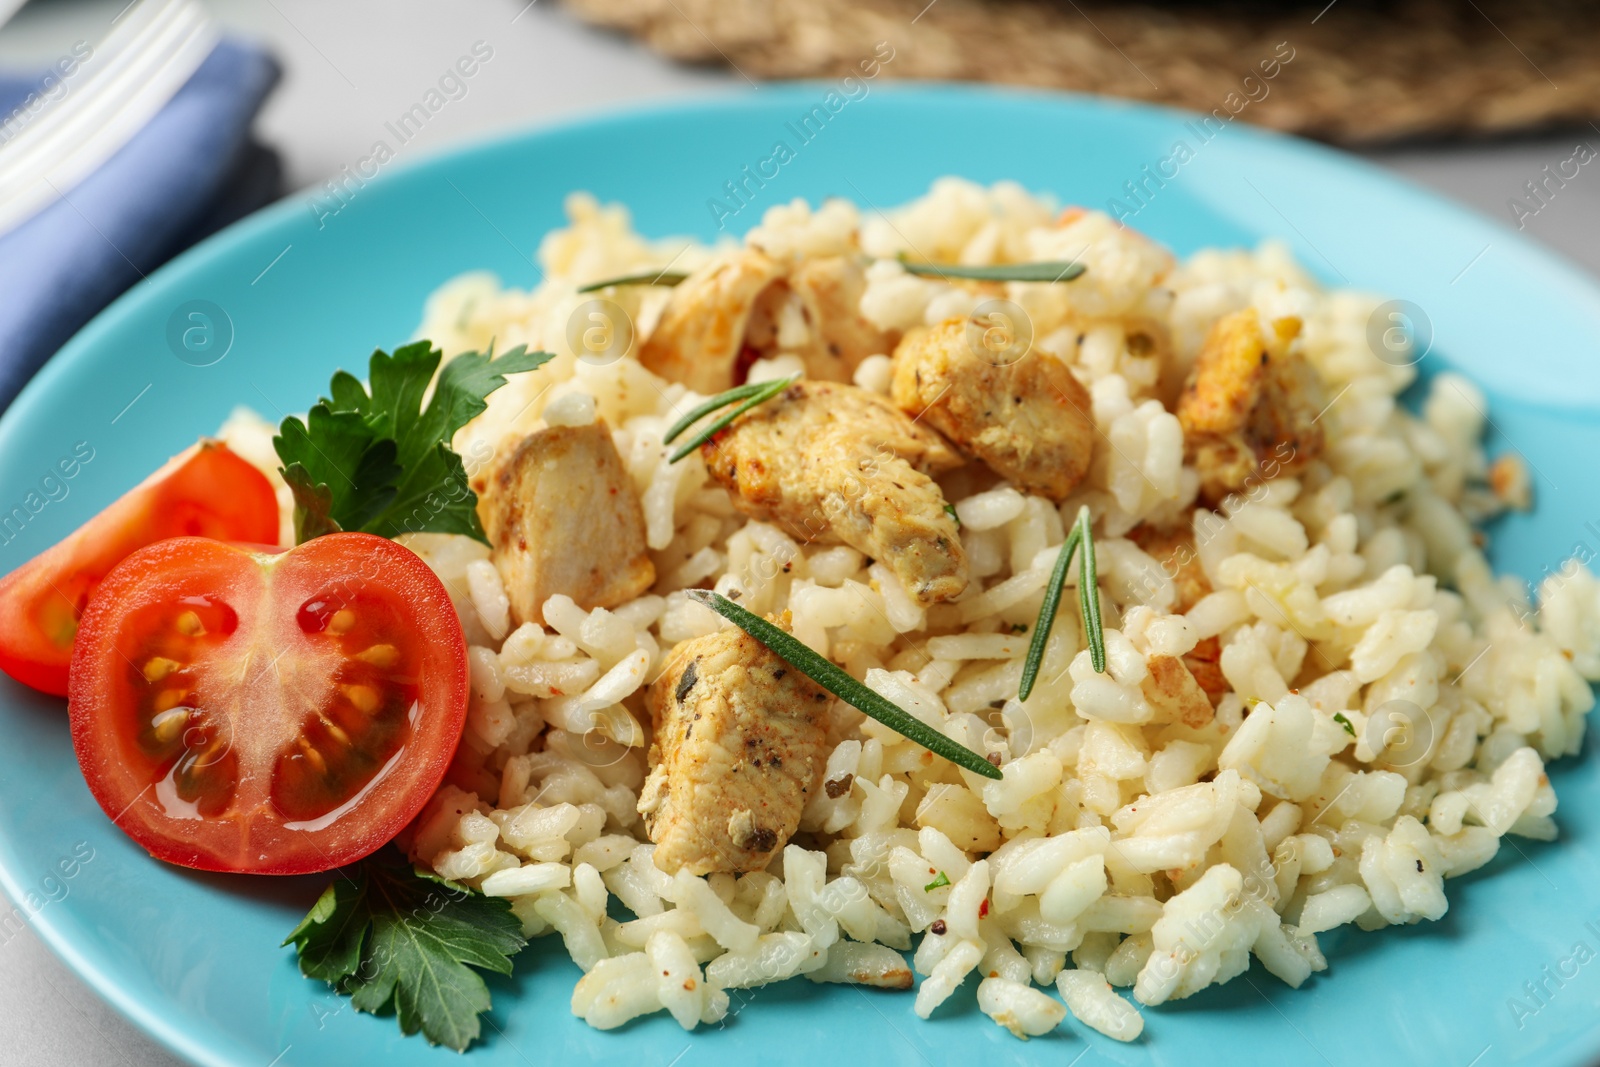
(1355,71)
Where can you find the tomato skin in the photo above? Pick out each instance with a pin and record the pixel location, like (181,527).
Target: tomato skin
(205,491)
(268,666)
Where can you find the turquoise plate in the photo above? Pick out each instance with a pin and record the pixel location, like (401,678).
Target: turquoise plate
(299,290)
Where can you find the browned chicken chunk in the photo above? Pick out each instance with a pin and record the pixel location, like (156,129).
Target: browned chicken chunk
(741,307)
(1028,420)
(740,744)
(562,516)
(700,337)
(836,463)
(830,288)
(1174,551)
(1250,407)
(1204,664)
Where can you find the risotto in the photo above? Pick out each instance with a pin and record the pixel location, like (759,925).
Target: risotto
(1320,703)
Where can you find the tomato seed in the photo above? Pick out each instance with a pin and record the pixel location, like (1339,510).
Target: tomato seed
(168,699)
(380,656)
(207,779)
(189,624)
(363,697)
(313,756)
(158,668)
(169,724)
(343,621)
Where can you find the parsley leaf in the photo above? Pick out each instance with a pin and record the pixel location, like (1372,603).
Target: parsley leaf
(392,937)
(381,462)
(942,880)
(1339,717)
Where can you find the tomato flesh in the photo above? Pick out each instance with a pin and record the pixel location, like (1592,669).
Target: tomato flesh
(207,491)
(240,710)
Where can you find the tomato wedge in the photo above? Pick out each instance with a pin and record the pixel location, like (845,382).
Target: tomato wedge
(207,491)
(276,713)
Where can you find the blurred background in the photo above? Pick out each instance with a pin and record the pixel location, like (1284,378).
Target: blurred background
(130,130)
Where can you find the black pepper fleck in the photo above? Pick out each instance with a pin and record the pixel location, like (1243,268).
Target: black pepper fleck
(686,683)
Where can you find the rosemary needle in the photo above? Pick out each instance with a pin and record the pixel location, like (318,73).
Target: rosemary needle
(706,407)
(1047,613)
(1061,271)
(1089,596)
(649,277)
(1080,536)
(803,659)
(751,395)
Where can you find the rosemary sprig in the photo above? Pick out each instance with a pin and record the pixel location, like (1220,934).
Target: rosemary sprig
(751,395)
(799,656)
(1057,271)
(706,407)
(649,277)
(1088,604)
(1089,595)
(1047,613)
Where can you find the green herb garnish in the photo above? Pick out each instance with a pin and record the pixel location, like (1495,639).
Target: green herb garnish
(1339,717)
(1089,594)
(799,656)
(649,277)
(390,937)
(751,395)
(942,880)
(381,462)
(950,510)
(1088,604)
(1059,271)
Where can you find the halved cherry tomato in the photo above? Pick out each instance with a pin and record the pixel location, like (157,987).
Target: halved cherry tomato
(207,491)
(277,713)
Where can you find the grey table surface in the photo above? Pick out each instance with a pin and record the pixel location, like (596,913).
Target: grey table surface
(351,66)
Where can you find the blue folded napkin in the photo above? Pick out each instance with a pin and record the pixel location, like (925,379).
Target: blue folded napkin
(192,169)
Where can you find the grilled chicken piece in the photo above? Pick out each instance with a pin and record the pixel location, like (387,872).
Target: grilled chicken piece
(562,516)
(836,463)
(740,745)
(1250,406)
(1204,664)
(830,288)
(701,333)
(1029,421)
(735,310)
(1175,551)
